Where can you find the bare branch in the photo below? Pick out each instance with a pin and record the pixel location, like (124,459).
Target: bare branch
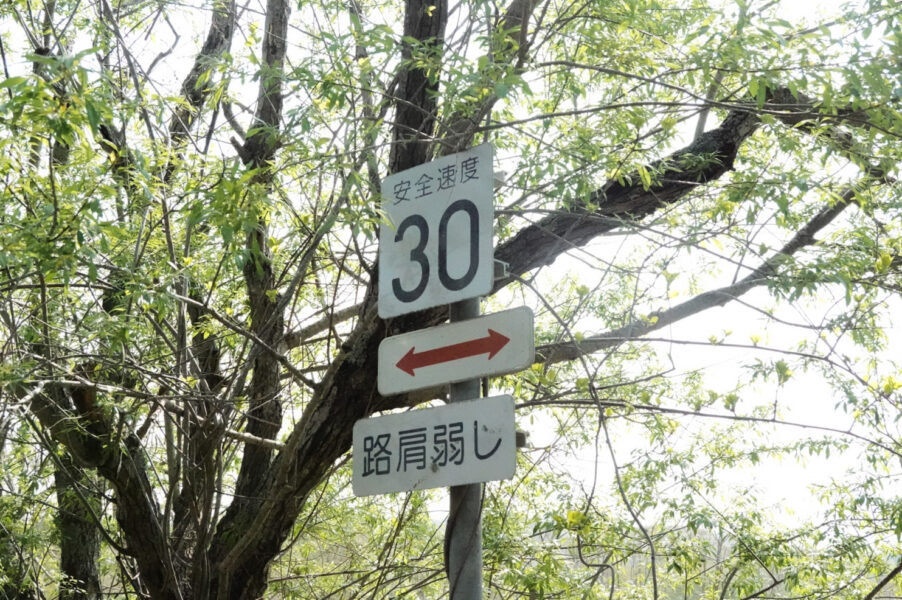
(764,274)
(459,128)
(293,339)
(883,582)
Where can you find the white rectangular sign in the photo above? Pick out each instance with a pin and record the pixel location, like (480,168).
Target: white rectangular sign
(456,444)
(493,344)
(437,246)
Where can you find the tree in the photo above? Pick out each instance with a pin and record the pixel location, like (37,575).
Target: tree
(189,307)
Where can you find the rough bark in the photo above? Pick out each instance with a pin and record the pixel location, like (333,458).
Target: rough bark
(79,538)
(203,427)
(78,532)
(218,41)
(618,203)
(264,414)
(174,567)
(72,417)
(621,202)
(261,145)
(259,520)
(415,110)
(347,394)
(461,123)
(274,488)
(249,537)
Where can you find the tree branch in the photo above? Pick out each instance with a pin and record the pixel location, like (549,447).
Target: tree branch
(883,582)
(293,339)
(416,105)
(460,127)
(218,41)
(554,353)
(346,392)
(239,575)
(86,433)
(621,202)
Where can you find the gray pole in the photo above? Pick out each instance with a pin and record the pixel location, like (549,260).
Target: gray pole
(463,535)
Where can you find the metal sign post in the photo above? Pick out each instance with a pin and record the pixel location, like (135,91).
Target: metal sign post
(436,248)
(463,535)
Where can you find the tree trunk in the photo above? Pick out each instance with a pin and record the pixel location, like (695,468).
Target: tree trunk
(79,535)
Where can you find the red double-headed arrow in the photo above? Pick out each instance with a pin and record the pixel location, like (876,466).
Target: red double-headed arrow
(490,344)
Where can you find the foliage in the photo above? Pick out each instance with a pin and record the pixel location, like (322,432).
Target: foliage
(700,204)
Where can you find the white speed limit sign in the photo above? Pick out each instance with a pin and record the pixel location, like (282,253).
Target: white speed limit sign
(437,245)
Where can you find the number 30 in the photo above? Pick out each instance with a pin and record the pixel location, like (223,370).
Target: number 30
(418,256)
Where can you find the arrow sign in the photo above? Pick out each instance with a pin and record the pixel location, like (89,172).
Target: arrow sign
(489,345)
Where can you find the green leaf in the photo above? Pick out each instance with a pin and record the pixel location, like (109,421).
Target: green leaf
(644,177)
(93,115)
(12,82)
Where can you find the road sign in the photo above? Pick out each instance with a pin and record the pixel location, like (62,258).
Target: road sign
(437,247)
(457,444)
(502,342)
